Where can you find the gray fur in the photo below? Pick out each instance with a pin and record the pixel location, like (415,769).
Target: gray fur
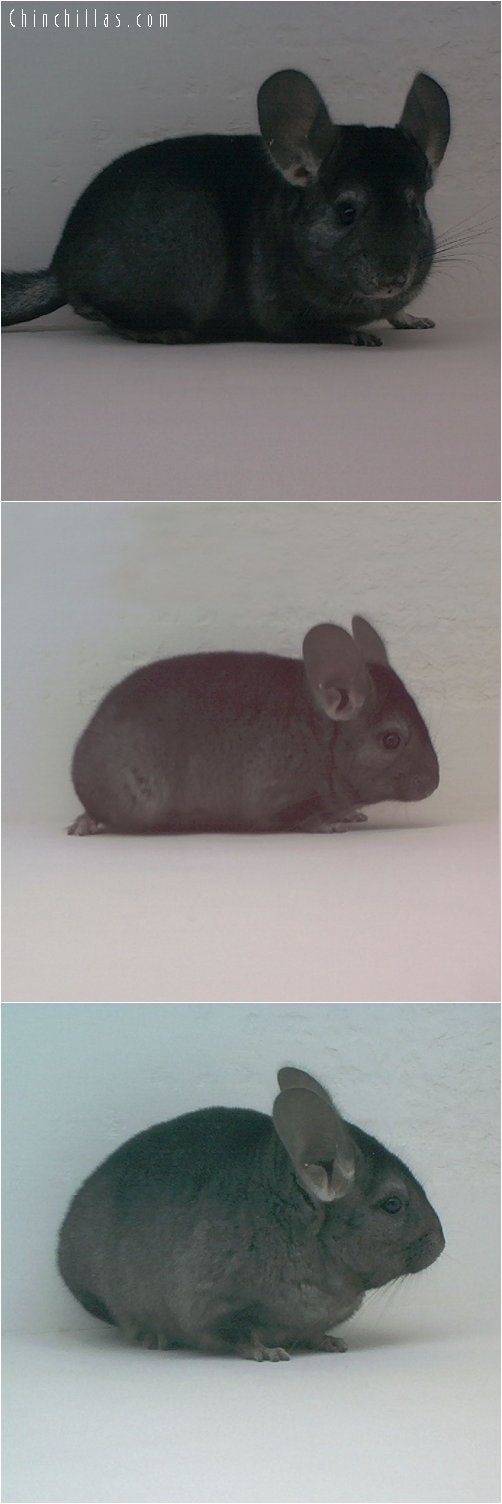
(212,1232)
(27,295)
(254,742)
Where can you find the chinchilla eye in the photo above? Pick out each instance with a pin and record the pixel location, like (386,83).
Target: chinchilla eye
(392,1205)
(391,740)
(346,211)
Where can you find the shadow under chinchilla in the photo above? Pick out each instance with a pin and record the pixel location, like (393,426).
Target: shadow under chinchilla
(357,1341)
(399,829)
(365,1341)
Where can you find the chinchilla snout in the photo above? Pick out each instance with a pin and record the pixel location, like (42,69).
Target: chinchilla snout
(384,279)
(393,285)
(426,1249)
(421,785)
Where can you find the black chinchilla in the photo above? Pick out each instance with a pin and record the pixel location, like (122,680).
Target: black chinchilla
(254,742)
(226,1231)
(306,233)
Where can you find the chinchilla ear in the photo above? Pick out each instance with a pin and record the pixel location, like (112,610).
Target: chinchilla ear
(426,117)
(289,1076)
(295,125)
(368,641)
(316,1140)
(336,671)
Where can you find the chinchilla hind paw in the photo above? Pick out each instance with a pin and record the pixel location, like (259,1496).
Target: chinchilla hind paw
(155,1341)
(359,337)
(84,825)
(262,1354)
(329,1344)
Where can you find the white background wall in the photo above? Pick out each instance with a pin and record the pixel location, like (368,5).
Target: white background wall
(80,1079)
(75,99)
(92,591)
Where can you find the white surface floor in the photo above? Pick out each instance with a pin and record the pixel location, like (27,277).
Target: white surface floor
(90,417)
(408,1414)
(377,914)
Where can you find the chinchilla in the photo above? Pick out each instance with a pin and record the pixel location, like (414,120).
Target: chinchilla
(254,742)
(228,1231)
(305,233)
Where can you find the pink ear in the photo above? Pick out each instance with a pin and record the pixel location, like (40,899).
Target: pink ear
(317,1141)
(295,125)
(336,671)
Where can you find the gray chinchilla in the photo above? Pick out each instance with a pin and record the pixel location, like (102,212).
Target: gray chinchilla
(254,742)
(306,233)
(226,1231)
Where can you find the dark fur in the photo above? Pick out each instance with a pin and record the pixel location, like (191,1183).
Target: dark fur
(225,238)
(212,1232)
(249,742)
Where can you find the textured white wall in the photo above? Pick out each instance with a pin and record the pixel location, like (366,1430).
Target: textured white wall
(75,99)
(93,590)
(80,1079)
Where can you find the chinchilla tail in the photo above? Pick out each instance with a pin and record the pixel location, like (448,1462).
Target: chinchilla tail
(26,295)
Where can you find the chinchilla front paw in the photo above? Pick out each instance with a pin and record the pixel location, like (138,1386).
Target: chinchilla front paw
(408,321)
(261,1354)
(329,1344)
(332,823)
(155,1341)
(352,817)
(337,824)
(359,337)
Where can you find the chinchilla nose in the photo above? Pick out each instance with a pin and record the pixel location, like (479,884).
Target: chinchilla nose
(427,1248)
(422,784)
(435,1237)
(438,1240)
(394,284)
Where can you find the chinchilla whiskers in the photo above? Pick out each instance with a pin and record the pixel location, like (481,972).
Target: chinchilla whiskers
(383,1292)
(461,261)
(452,239)
(391,1292)
(439,269)
(453,253)
(473,218)
(381,1298)
(463,248)
(469,226)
